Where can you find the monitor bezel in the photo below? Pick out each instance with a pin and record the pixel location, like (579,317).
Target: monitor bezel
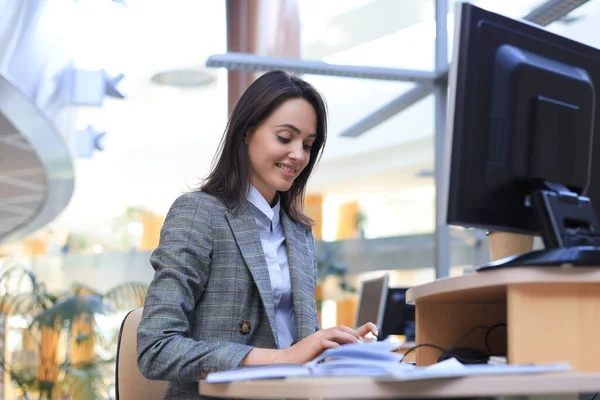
(382,301)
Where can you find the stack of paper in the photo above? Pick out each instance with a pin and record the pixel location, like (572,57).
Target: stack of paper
(375,360)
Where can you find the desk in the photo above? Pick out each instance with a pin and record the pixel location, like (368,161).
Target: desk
(555,385)
(552,314)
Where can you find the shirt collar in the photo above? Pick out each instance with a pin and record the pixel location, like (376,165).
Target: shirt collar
(258,201)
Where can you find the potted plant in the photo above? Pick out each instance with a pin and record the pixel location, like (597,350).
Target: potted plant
(45,368)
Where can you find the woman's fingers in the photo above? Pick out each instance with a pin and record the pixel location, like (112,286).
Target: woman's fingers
(369,327)
(315,344)
(328,344)
(369,337)
(349,331)
(341,337)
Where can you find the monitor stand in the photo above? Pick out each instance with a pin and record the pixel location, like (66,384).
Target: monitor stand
(568,227)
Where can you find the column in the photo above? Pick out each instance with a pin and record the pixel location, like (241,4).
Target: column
(347,221)
(313,207)
(265,27)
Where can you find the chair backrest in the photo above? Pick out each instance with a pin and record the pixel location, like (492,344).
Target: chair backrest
(129,381)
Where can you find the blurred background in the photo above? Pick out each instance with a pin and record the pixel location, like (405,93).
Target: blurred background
(111,109)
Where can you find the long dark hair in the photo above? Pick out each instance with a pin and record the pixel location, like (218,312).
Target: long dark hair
(230,176)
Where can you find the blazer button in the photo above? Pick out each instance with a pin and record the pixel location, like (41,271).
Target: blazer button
(245,327)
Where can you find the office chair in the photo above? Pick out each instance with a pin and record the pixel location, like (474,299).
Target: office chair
(129,381)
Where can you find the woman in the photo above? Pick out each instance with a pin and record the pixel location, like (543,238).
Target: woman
(235,270)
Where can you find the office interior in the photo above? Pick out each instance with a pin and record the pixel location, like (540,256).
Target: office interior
(109,109)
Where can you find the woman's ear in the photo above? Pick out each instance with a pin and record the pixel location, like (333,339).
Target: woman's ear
(247,136)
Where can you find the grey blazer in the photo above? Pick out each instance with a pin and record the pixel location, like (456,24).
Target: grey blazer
(210,300)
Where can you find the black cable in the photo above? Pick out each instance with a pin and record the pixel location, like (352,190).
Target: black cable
(466,335)
(463,337)
(422,345)
(593,398)
(488,328)
(487,337)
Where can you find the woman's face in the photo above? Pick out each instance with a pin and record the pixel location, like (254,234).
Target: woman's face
(279,148)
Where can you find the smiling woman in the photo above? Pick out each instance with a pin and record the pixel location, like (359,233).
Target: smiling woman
(276,114)
(280,147)
(235,269)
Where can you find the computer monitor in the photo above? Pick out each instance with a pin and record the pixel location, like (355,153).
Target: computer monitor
(522,147)
(371,301)
(398,317)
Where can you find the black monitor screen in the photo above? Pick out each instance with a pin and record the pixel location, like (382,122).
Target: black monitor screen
(521,106)
(399,317)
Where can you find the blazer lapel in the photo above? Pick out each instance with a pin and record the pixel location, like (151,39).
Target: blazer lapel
(244,229)
(301,271)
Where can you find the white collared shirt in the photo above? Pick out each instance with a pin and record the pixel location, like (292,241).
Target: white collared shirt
(274,247)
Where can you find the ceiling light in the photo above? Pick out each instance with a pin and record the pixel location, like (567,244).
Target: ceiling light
(185,77)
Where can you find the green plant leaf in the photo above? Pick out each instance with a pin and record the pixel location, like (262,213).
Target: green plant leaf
(69,309)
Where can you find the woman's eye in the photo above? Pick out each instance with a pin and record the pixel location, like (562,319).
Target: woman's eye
(307,147)
(283,139)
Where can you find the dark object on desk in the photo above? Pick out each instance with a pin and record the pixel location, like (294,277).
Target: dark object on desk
(577,256)
(466,355)
(525,153)
(398,317)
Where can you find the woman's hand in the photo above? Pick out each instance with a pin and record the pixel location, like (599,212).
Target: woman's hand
(368,332)
(312,346)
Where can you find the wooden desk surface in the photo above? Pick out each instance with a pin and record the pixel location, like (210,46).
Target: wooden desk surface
(551,314)
(491,285)
(368,388)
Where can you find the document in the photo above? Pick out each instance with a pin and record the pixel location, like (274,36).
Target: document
(377,360)
(452,368)
(359,359)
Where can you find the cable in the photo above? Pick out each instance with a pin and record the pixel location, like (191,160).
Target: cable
(422,345)
(464,336)
(487,337)
(594,398)
(488,328)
